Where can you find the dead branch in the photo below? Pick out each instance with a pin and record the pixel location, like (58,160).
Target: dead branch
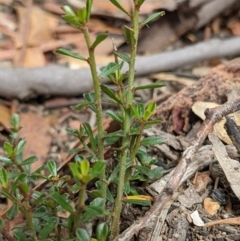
(212,116)
(57,80)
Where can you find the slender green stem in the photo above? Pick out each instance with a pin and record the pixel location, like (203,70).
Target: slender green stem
(126,126)
(80,206)
(98,104)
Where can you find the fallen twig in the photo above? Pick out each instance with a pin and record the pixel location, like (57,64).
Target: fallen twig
(212,116)
(57,80)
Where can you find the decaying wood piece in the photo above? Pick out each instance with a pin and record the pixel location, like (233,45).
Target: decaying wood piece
(211,87)
(212,116)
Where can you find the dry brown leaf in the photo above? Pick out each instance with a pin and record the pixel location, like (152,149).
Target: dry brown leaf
(199,107)
(230,166)
(42,26)
(33,57)
(201,180)
(235,221)
(211,206)
(35,130)
(5,116)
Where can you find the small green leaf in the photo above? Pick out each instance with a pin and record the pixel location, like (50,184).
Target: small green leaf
(113,115)
(138,110)
(70,54)
(82,105)
(151,141)
(102,232)
(129,34)
(89,131)
(109,196)
(62,202)
(71,17)
(97,169)
(19,235)
(8,148)
(3,178)
(1,224)
(124,57)
(149,110)
(23,187)
(89,97)
(88,9)
(82,235)
(111,68)
(15,121)
(21,144)
(52,167)
(5,160)
(110,93)
(48,227)
(39,212)
(151,86)
(152,17)
(101,37)
(145,170)
(12,212)
(82,15)
(119,6)
(68,11)
(155,121)
(157,173)
(29,160)
(91,212)
(84,167)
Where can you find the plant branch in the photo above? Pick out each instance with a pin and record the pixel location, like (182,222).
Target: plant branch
(126,127)
(98,104)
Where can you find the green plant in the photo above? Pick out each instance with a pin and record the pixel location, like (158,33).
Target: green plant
(130,163)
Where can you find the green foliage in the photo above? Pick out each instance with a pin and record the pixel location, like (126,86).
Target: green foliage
(91,179)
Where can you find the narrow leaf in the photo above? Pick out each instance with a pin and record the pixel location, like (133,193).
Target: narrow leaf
(114,116)
(12,212)
(5,160)
(102,232)
(82,15)
(119,6)
(81,106)
(123,56)
(40,212)
(82,235)
(152,17)
(62,202)
(97,169)
(152,140)
(88,9)
(4,178)
(84,167)
(110,93)
(15,121)
(21,144)
(149,111)
(89,131)
(52,167)
(91,212)
(151,86)
(110,69)
(19,235)
(101,37)
(48,227)
(70,54)
(29,160)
